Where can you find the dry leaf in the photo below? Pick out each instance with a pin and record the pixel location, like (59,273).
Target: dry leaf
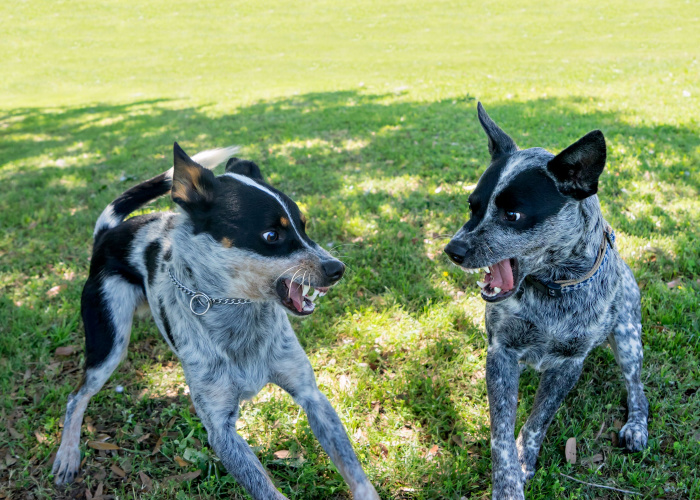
(674,283)
(184,477)
(457,440)
(146,482)
(282,454)
(596,459)
(99,445)
(55,290)
(570,450)
(66,350)
(432,451)
(617,424)
(118,470)
(156,448)
(143,438)
(615,439)
(181,461)
(13,433)
(384,450)
(39,436)
(344,382)
(10,460)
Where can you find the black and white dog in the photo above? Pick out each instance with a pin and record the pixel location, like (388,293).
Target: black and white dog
(220,278)
(555,288)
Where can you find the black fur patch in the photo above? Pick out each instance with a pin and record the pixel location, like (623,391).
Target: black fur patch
(532,193)
(479,199)
(99,329)
(243,213)
(166,325)
(151,256)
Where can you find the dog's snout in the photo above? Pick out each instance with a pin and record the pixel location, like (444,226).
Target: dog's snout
(456,250)
(334,269)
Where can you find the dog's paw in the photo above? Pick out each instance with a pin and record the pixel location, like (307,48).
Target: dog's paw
(66,466)
(633,436)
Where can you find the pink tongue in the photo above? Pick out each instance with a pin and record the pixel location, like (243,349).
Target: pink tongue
(502,276)
(295,293)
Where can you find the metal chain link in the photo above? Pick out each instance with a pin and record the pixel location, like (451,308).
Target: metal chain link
(208,300)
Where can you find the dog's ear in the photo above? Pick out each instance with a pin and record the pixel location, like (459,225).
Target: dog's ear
(576,169)
(193,185)
(244,167)
(500,143)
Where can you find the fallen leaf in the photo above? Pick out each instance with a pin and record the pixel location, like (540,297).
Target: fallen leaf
(184,477)
(282,454)
(384,450)
(99,445)
(596,459)
(66,350)
(432,451)
(13,433)
(156,448)
(614,439)
(118,470)
(10,460)
(143,438)
(457,440)
(181,461)
(570,450)
(617,424)
(674,283)
(39,436)
(55,290)
(146,482)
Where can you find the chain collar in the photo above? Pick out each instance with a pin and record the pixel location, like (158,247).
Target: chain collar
(200,303)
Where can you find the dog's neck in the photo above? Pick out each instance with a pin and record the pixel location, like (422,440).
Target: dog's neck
(577,254)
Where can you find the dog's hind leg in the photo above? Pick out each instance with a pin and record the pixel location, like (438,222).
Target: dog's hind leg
(107,308)
(626,343)
(555,384)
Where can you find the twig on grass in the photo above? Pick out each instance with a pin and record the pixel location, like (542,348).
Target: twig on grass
(600,485)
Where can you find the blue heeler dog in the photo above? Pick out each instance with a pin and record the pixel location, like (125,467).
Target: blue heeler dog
(555,288)
(220,277)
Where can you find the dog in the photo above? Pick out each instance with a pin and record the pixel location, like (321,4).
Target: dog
(555,287)
(221,277)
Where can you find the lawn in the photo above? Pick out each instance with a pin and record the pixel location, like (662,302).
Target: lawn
(365,113)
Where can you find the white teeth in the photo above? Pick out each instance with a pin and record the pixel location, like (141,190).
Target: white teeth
(496,289)
(481,284)
(305,289)
(487,269)
(315,294)
(321,294)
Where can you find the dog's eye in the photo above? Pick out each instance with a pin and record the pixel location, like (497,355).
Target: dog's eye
(512,216)
(270,236)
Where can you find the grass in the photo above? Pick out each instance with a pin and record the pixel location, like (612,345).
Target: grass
(365,114)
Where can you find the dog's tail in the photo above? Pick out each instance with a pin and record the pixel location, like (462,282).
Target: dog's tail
(141,194)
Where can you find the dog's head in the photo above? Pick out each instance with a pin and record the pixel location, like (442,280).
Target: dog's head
(253,233)
(525,208)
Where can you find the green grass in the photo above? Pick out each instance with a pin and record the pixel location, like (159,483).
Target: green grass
(365,114)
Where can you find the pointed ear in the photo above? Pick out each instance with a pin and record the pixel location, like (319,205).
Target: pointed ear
(576,169)
(500,143)
(193,185)
(244,167)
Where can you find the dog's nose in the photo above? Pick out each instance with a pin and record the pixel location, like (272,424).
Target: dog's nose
(456,250)
(334,269)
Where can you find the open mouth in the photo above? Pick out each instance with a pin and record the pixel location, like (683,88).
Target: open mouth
(499,280)
(299,298)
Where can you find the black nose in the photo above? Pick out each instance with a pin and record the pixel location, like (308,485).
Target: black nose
(334,269)
(456,250)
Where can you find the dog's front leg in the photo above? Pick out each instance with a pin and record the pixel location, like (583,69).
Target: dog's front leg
(502,375)
(297,378)
(217,404)
(555,384)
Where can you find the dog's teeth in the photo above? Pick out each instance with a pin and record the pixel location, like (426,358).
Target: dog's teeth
(481,284)
(496,289)
(315,294)
(305,289)
(321,294)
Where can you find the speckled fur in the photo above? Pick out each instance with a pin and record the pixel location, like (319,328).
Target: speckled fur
(553,335)
(228,354)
